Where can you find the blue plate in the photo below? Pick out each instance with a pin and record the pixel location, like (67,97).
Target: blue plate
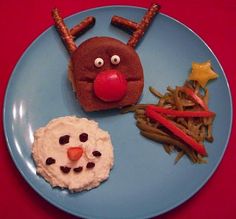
(144,182)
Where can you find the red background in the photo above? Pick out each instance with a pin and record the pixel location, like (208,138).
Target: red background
(22,21)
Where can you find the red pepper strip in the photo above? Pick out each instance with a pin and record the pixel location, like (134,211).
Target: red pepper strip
(176,131)
(191,93)
(181,113)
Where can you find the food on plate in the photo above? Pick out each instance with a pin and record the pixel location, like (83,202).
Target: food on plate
(105,73)
(180,120)
(202,73)
(73,153)
(113,83)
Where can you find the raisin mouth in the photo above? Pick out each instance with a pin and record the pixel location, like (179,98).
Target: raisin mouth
(65,169)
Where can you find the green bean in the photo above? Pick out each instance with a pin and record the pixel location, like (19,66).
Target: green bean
(179,156)
(168,140)
(145,127)
(155,92)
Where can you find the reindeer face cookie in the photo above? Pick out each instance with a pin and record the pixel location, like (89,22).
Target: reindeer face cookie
(105,73)
(73,153)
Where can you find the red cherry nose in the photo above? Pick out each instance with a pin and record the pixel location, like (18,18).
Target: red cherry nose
(74,153)
(110,85)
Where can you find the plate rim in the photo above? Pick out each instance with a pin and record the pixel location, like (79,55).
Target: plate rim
(58,205)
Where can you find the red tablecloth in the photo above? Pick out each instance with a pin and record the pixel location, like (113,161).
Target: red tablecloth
(215,21)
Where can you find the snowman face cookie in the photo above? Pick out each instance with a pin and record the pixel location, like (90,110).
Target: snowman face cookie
(73,153)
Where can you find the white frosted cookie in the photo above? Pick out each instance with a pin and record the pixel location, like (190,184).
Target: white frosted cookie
(73,153)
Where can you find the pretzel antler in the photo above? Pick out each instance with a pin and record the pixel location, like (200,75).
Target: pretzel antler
(67,35)
(138,29)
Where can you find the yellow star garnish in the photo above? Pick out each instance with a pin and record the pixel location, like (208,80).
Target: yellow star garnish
(202,72)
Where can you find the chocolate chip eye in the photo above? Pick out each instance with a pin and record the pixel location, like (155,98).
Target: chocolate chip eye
(115,59)
(83,137)
(98,62)
(97,154)
(64,139)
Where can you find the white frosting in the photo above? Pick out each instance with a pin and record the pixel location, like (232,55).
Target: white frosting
(46,144)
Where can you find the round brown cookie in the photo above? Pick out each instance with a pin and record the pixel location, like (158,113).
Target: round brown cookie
(83,71)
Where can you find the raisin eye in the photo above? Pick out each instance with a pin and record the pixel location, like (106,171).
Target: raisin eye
(83,137)
(115,59)
(64,139)
(98,62)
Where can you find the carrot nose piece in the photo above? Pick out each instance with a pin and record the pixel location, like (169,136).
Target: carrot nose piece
(74,153)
